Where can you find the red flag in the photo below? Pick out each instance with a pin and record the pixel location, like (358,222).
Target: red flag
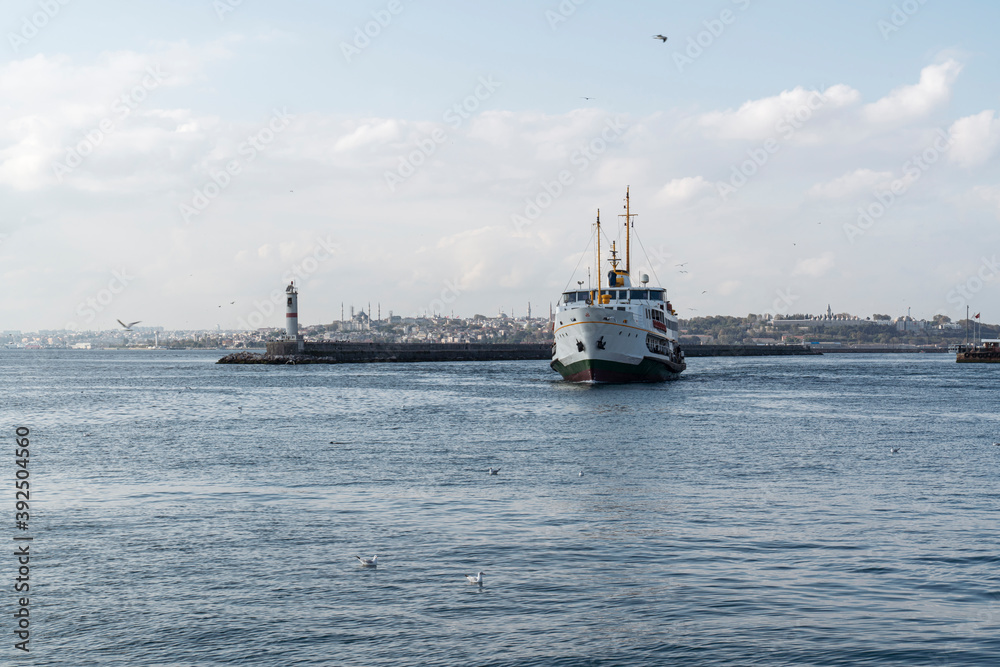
(977,316)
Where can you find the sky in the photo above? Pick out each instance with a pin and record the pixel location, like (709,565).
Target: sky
(179,162)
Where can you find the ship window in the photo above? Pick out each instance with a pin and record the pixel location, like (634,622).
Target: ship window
(621,307)
(640,294)
(582,296)
(569,297)
(656,295)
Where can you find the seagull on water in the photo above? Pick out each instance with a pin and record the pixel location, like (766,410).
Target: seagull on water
(368,562)
(478,579)
(894,450)
(494,471)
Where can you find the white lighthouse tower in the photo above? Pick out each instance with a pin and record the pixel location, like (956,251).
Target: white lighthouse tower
(292,312)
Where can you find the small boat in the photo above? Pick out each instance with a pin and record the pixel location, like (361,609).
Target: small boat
(986,352)
(620,333)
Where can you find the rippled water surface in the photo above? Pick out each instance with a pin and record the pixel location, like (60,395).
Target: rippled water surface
(186,513)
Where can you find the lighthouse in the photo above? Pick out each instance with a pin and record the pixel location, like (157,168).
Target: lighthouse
(292,312)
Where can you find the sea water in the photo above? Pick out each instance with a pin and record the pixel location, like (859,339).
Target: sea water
(188,513)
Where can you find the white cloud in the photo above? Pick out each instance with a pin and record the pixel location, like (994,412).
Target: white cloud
(851,184)
(774,117)
(451,220)
(989,194)
(975,139)
(682,190)
(728,287)
(106,109)
(369,133)
(915,101)
(814,267)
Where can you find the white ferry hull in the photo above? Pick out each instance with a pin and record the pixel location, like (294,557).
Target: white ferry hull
(612,351)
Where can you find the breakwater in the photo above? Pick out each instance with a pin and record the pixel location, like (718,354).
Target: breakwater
(746,350)
(878,349)
(280,352)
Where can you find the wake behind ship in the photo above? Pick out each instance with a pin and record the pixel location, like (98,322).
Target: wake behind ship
(621,333)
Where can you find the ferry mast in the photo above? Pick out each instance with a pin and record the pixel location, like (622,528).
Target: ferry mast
(598,265)
(628,225)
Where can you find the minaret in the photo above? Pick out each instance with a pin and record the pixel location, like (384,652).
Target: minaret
(292,312)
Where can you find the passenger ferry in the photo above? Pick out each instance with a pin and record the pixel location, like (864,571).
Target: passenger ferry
(619,333)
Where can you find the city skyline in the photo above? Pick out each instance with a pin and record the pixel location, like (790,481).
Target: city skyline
(179,164)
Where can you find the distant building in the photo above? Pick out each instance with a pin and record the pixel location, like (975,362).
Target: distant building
(907,323)
(824,321)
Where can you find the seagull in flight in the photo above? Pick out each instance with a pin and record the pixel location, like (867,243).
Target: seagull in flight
(684,264)
(478,579)
(661,38)
(494,471)
(128,327)
(368,562)
(587,98)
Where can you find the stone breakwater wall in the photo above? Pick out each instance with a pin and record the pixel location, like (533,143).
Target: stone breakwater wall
(745,350)
(360,353)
